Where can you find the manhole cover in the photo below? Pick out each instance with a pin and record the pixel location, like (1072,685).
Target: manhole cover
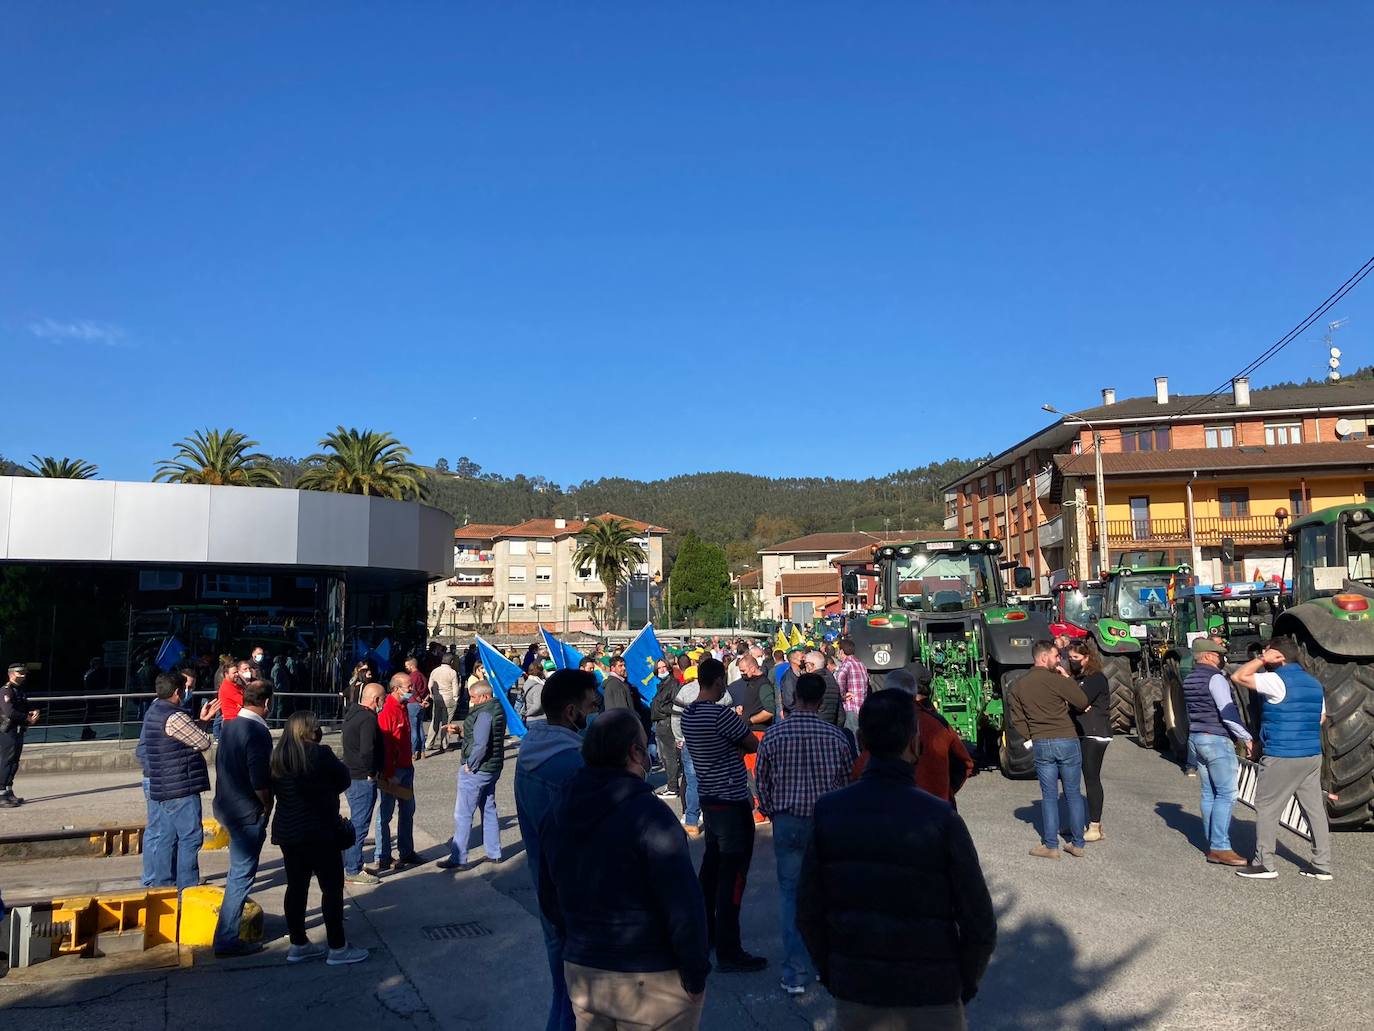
(450,932)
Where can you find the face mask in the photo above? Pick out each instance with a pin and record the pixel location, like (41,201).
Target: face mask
(257,657)
(1075,667)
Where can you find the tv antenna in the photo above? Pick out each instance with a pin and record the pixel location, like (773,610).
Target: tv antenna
(1333,361)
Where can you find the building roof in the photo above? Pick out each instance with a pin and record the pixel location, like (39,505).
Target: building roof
(549,527)
(1186,460)
(840,542)
(859,556)
(1325,395)
(478,531)
(750,579)
(807,583)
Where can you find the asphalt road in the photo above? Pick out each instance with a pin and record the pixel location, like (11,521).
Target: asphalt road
(1141,933)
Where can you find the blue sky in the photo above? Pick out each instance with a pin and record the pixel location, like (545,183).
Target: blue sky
(646,239)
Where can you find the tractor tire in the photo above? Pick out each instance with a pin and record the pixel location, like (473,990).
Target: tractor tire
(1016,761)
(1347,735)
(1118,670)
(1147,701)
(1175,713)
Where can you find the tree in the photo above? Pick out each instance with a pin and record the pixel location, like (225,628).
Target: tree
(467,468)
(63,468)
(701,583)
(609,546)
(441,466)
(363,462)
(218,457)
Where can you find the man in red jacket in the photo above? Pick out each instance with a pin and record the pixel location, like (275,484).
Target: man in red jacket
(943,763)
(397,783)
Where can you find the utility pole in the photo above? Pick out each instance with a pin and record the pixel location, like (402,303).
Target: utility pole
(1101,488)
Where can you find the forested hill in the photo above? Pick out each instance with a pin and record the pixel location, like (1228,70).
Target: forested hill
(737,509)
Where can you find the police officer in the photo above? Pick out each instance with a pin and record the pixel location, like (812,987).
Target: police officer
(14,720)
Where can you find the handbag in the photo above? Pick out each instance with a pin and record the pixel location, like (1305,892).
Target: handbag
(344,834)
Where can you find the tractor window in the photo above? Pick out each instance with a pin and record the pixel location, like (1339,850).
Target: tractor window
(945,582)
(1141,597)
(1081,607)
(1319,574)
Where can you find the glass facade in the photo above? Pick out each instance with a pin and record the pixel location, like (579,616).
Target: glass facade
(95,635)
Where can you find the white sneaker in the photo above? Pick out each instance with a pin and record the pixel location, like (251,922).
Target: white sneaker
(1316,875)
(348,954)
(304,953)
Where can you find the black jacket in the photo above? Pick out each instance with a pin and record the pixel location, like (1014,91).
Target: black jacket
(892,904)
(832,704)
(616,878)
(617,694)
(1095,722)
(362,743)
(308,807)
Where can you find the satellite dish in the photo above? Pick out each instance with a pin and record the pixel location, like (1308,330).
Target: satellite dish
(1344,427)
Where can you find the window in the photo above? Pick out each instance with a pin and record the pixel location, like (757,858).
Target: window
(159,580)
(1221,436)
(584,573)
(519,547)
(233,585)
(517,574)
(543,601)
(1145,440)
(543,574)
(1297,506)
(543,547)
(1140,518)
(1283,433)
(515,601)
(1234,501)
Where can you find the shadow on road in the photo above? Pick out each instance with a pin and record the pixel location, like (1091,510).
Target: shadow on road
(1039,978)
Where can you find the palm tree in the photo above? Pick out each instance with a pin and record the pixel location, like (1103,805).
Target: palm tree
(63,468)
(363,462)
(220,458)
(609,545)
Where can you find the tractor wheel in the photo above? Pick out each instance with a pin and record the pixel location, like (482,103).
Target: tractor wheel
(1016,760)
(1175,712)
(1146,699)
(1347,736)
(1118,670)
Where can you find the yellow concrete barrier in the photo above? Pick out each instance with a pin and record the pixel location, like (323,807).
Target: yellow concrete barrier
(200,914)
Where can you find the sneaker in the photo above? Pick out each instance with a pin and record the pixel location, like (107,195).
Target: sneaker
(1041,852)
(744,963)
(666,793)
(1316,875)
(6,802)
(305,953)
(240,948)
(1190,773)
(1257,873)
(361,877)
(1075,851)
(1094,833)
(348,954)
(793,989)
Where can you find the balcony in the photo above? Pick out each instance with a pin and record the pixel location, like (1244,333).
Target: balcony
(1051,534)
(468,583)
(1209,531)
(472,557)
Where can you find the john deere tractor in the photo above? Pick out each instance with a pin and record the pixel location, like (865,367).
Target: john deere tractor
(942,607)
(1133,636)
(1332,619)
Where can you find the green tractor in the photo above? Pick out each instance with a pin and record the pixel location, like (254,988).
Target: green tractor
(1133,636)
(1332,619)
(943,607)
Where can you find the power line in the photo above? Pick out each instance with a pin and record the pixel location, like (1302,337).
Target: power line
(1302,327)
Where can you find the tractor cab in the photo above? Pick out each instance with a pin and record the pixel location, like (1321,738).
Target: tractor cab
(1333,554)
(1243,612)
(1077,606)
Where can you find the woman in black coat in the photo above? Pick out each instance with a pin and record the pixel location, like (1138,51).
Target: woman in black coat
(1094,727)
(307,780)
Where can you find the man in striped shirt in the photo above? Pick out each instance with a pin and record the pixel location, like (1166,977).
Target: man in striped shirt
(717,739)
(799,760)
(852,676)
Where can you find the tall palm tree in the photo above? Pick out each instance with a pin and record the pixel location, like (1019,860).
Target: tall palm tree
(63,468)
(220,458)
(363,462)
(609,545)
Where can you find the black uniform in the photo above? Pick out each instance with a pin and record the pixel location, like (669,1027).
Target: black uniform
(14,720)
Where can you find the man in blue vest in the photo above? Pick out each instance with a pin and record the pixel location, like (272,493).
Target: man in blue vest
(484,736)
(1293,711)
(1214,726)
(174,747)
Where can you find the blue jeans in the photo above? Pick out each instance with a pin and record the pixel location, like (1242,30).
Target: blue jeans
(560,1006)
(691,805)
(1217,767)
(176,852)
(362,797)
(245,846)
(790,835)
(1060,760)
(417,726)
(152,835)
(475,791)
(405,824)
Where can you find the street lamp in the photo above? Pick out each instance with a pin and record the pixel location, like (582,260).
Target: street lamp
(1101,492)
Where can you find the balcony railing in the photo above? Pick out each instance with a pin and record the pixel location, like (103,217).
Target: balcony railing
(472,557)
(1208,530)
(472,581)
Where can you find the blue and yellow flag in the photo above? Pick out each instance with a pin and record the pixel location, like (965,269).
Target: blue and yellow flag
(640,659)
(502,675)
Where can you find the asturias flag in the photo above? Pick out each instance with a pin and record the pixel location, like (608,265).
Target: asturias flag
(640,659)
(502,675)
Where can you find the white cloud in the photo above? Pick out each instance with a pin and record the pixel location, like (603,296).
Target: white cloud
(80,330)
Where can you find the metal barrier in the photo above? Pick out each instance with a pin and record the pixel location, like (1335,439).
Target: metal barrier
(1291,817)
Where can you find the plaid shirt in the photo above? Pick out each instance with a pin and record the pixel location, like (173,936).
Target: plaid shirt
(852,677)
(799,760)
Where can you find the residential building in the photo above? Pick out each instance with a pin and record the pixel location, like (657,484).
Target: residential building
(798,580)
(1205,480)
(515,578)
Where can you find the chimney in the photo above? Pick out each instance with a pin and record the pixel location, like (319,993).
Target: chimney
(1240,389)
(1162,389)
(560,524)
(1109,395)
